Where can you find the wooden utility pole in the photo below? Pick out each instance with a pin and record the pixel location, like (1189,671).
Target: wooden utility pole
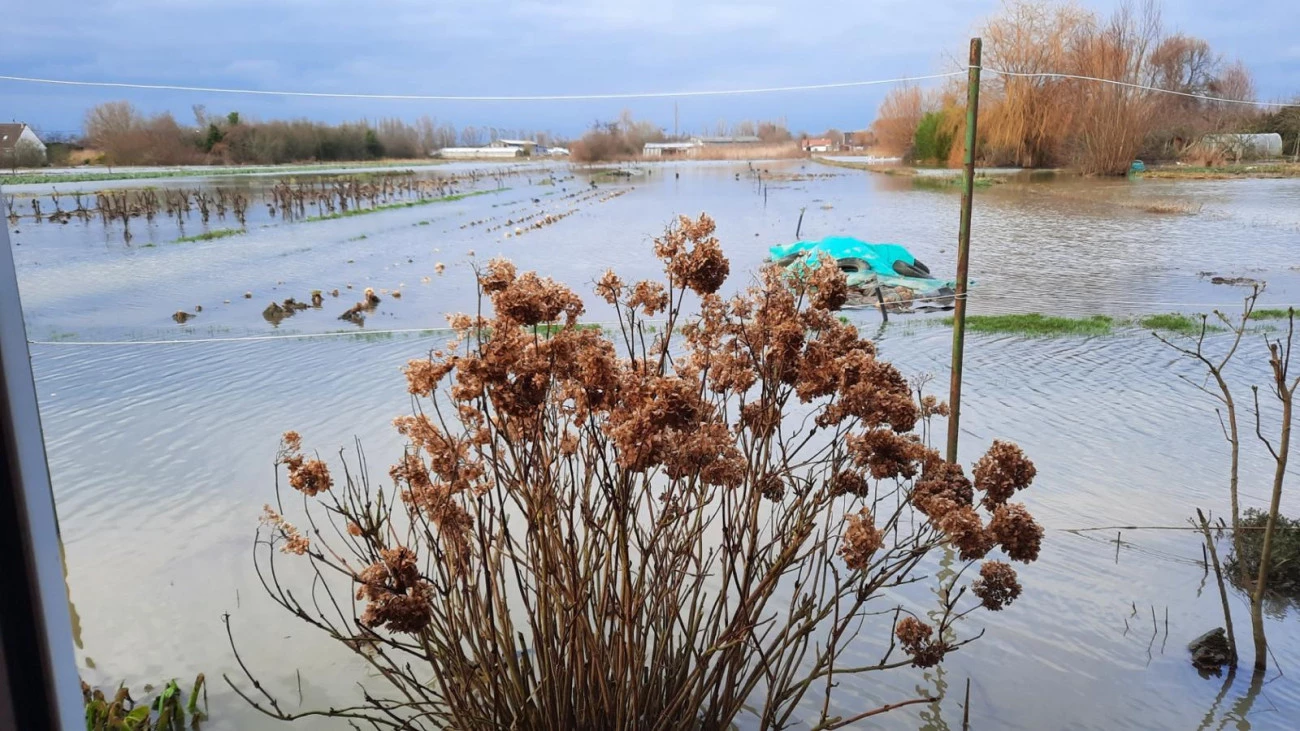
(963,248)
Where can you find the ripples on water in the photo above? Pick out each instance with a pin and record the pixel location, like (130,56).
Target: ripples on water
(161,455)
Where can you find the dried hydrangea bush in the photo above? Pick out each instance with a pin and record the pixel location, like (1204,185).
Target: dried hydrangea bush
(664,528)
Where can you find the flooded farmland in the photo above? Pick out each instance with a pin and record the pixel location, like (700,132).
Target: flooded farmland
(161,434)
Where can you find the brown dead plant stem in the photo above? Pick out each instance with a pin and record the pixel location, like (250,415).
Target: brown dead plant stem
(658,530)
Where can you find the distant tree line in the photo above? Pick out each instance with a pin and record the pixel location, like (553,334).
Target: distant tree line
(125,136)
(1050,121)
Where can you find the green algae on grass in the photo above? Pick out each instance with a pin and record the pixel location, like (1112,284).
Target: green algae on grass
(218,233)
(1036,324)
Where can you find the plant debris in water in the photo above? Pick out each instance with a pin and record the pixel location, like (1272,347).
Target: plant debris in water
(276,312)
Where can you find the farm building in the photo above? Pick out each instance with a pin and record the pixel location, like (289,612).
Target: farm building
(527,146)
(670,149)
(476,153)
(818,144)
(726,141)
(20,147)
(1245,146)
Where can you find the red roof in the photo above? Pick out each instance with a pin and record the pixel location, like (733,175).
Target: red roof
(818,142)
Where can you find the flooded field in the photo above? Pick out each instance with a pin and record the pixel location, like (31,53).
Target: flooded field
(161,452)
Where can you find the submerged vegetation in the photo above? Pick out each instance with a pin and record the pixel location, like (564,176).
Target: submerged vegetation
(214,234)
(404,204)
(1036,324)
(1176,322)
(665,495)
(171,710)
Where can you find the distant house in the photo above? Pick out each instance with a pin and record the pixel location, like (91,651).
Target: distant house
(527,146)
(478,153)
(1245,146)
(20,147)
(818,144)
(726,141)
(671,149)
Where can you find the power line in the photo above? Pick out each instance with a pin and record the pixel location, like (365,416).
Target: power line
(622,95)
(477,98)
(1144,87)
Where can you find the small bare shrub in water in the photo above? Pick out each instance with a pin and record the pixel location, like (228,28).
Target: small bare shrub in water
(670,528)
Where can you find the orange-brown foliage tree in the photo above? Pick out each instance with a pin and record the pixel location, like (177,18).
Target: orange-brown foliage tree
(895,125)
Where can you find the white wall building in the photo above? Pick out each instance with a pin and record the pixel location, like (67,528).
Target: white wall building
(17,140)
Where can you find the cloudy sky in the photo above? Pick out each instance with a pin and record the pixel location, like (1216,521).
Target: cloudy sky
(518,47)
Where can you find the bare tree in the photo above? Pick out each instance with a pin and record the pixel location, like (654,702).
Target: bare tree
(1215,368)
(1284,388)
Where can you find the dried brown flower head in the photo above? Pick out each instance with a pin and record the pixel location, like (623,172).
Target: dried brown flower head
(965,531)
(498,275)
(309,477)
(931,406)
(942,487)
(650,297)
(997,586)
(848,482)
(609,287)
(1002,471)
(399,596)
(702,267)
(294,541)
(915,638)
(530,300)
(1017,532)
(424,374)
(861,540)
(828,288)
(771,486)
(888,454)
(912,633)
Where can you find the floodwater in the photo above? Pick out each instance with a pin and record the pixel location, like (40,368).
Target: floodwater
(161,453)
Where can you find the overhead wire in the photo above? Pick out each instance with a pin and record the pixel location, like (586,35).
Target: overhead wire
(480,98)
(621,95)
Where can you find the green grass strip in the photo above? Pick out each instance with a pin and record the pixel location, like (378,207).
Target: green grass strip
(1036,324)
(1176,322)
(1270,314)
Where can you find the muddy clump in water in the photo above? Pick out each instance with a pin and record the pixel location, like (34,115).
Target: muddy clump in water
(276,312)
(356,314)
(1210,652)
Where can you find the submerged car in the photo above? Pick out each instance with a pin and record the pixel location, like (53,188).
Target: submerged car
(877,273)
